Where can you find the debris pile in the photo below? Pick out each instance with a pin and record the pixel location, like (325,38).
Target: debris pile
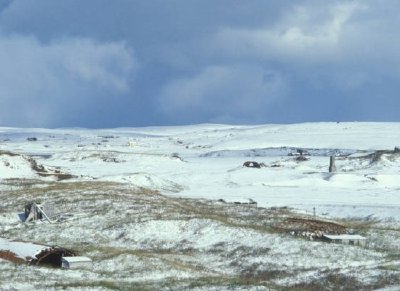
(311,228)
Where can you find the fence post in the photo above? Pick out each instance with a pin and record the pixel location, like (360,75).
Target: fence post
(332,166)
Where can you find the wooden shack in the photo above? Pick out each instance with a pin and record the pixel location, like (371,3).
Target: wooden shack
(34,211)
(33,254)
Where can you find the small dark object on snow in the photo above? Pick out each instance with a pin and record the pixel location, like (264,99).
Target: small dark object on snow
(301,159)
(32,139)
(252,202)
(275,166)
(176,156)
(251,164)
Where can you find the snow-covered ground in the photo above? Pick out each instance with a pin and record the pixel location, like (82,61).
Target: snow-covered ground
(205,161)
(157,242)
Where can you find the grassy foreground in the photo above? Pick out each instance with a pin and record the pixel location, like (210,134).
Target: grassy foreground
(142,240)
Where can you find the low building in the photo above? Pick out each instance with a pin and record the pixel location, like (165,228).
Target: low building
(350,239)
(76,263)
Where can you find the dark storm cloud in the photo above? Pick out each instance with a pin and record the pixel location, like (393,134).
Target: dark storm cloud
(49,84)
(123,62)
(208,95)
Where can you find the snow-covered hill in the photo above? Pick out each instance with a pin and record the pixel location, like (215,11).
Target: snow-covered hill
(205,161)
(160,207)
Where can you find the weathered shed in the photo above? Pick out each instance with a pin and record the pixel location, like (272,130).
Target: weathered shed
(35,211)
(351,239)
(33,254)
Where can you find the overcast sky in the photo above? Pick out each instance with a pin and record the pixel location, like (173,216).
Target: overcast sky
(111,63)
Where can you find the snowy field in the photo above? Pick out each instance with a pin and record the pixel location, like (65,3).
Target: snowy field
(158,207)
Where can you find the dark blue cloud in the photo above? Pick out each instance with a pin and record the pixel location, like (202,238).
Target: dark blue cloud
(101,63)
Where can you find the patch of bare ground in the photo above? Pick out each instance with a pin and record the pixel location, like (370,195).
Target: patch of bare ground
(339,281)
(47,172)
(10,256)
(331,281)
(8,153)
(378,155)
(39,169)
(279,220)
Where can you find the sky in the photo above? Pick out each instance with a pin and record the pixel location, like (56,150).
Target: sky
(131,63)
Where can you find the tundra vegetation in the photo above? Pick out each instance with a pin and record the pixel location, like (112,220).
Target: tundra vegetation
(139,238)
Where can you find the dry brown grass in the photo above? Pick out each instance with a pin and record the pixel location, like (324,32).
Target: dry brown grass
(12,257)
